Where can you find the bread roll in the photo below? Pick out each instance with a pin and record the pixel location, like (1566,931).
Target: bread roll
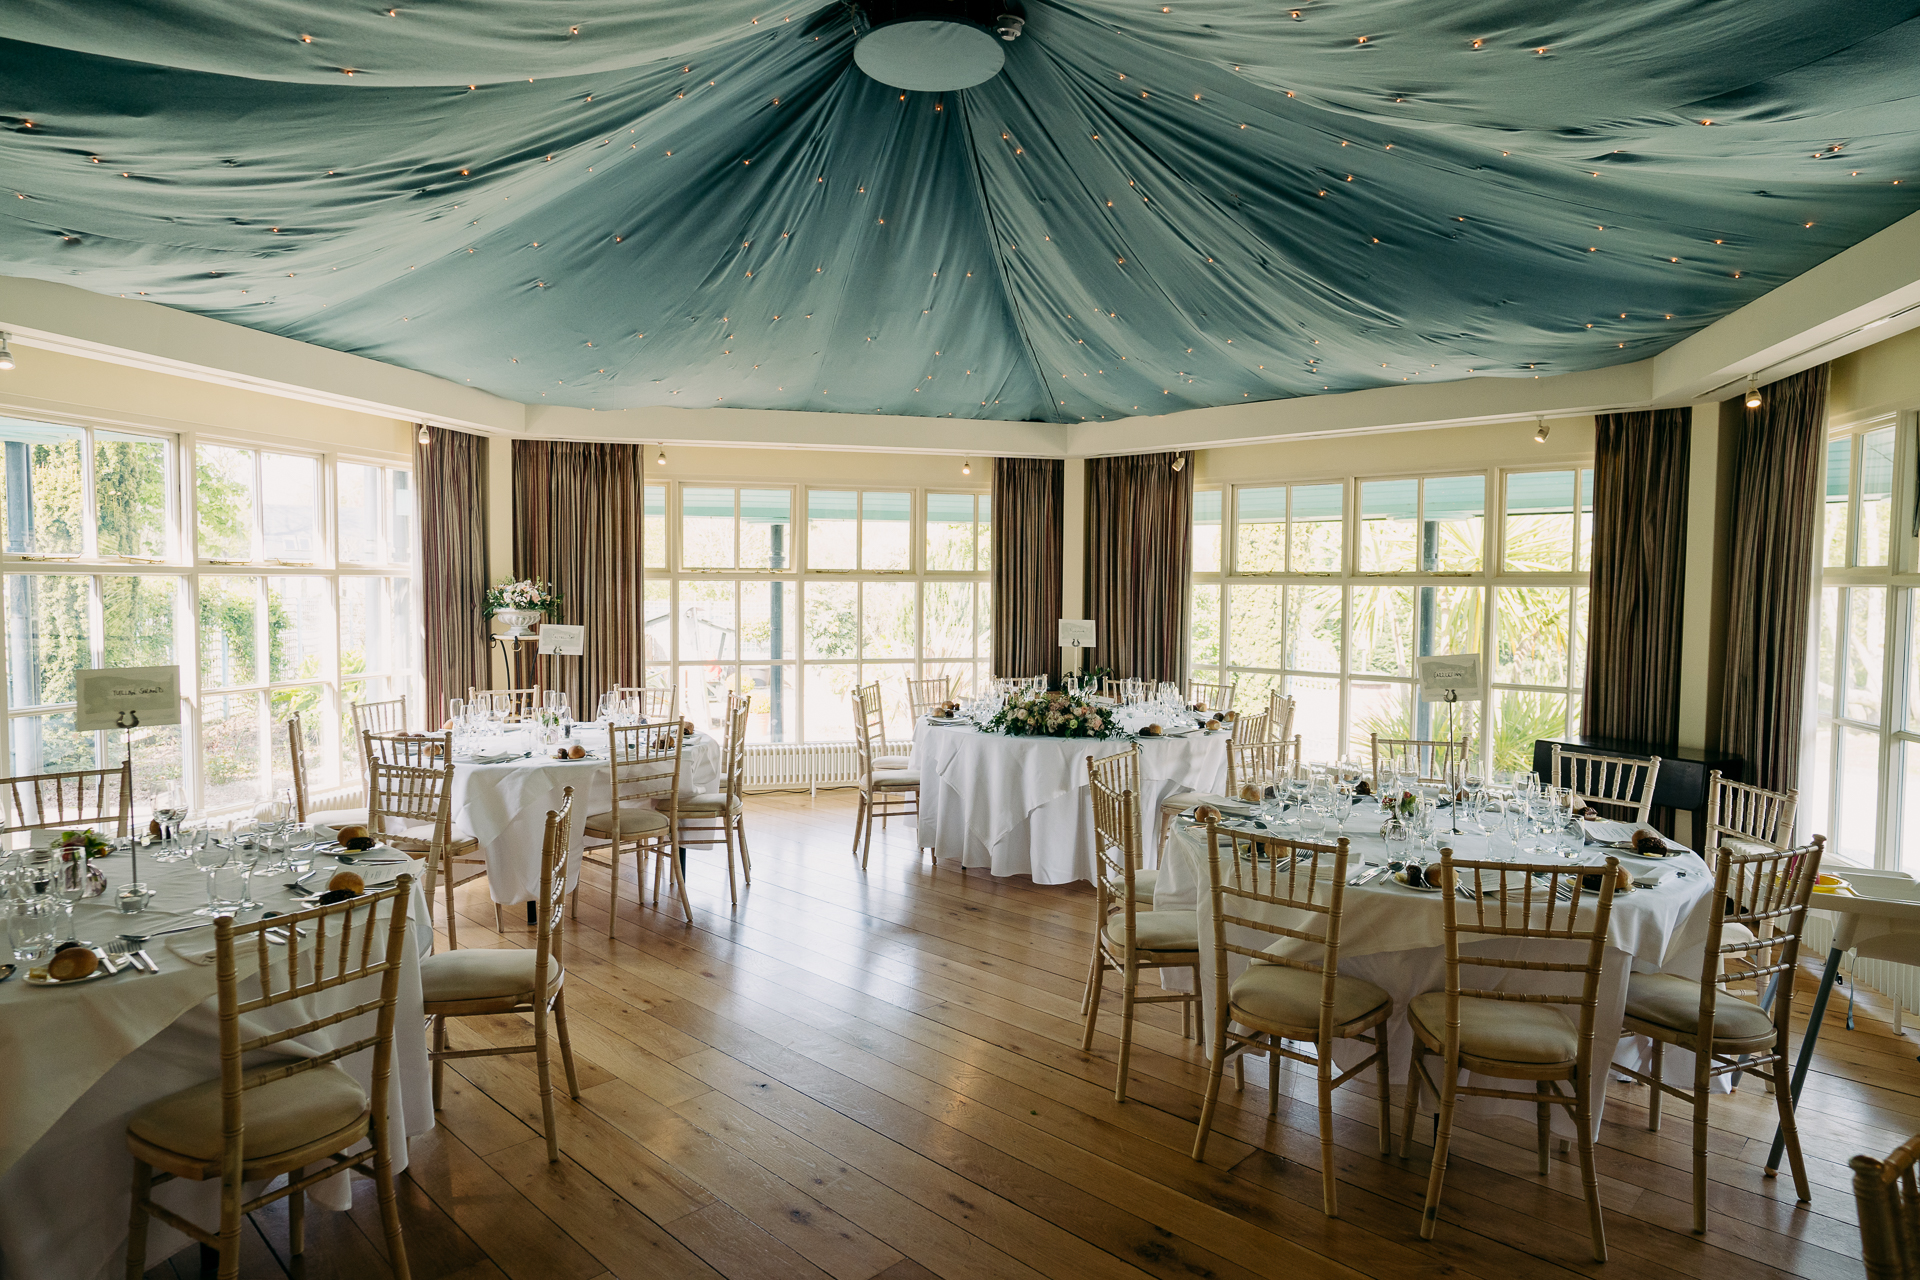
(577,752)
(74,962)
(348,880)
(351,832)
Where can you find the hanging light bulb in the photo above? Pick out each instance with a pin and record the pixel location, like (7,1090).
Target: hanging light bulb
(6,353)
(966,468)
(660,459)
(1753,394)
(1541,431)
(423,435)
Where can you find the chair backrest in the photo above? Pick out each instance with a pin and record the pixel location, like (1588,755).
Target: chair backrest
(1542,901)
(1887,1197)
(516,704)
(1616,781)
(550,917)
(867,707)
(864,750)
(297,765)
(1253,728)
(1770,891)
(643,768)
(323,948)
(387,716)
(1251,873)
(1432,759)
(82,797)
(420,750)
(401,796)
(1216,697)
(1279,714)
(1747,812)
(733,781)
(1116,830)
(1261,764)
(926,696)
(656,702)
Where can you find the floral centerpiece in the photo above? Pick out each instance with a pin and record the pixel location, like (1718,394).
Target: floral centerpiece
(1052,715)
(85,841)
(521,604)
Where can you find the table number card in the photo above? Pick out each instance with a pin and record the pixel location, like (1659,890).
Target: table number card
(127,697)
(566,642)
(1450,677)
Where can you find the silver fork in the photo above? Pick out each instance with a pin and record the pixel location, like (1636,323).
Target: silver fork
(121,949)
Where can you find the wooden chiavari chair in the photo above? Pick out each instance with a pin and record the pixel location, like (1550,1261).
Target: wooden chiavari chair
(1289,996)
(1252,728)
(871,710)
(1615,782)
(1514,1035)
(297,764)
(477,983)
(1773,887)
(1127,939)
(1429,759)
(308,1110)
(655,702)
(77,798)
(386,716)
(520,703)
(1121,772)
(720,817)
(1261,762)
(410,808)
(643,776)
(884,793)
(1214,697)
(1746,819)
(928,696)
(1280,710)
(1887,1197)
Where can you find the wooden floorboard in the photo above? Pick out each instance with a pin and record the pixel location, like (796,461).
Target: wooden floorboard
(877,1075)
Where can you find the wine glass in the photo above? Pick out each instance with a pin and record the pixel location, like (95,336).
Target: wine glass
(69,880)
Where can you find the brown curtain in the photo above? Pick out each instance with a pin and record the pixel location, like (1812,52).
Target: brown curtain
(1639,576)
(1775,535)
(1140,563)
(450,476)
(1026,565)
(577,524)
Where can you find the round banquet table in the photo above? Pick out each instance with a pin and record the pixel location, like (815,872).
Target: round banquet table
(81,1060)
(1019,805)
(1395,938)
(504,805)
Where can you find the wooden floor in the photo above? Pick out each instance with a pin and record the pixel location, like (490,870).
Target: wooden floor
(879,1075)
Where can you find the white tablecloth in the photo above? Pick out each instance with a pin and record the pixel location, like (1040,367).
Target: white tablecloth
(504,806)
(1019,805)
(80,1061)
(1395,938)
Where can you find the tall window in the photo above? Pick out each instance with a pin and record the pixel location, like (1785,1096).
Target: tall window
(792,596)
(1329,589)
(279,581)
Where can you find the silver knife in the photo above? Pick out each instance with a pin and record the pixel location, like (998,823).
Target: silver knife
(148,960)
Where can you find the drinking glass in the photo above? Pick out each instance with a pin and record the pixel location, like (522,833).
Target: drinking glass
(32,922)
(69,869)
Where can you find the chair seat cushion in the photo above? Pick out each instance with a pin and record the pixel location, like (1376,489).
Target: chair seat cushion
(1157,930)
(891,762)
(633,822)
(280,1116)
(1668,1000)
(896,779)
(338,818)
(447,977)
(709,802)
(1281,996)
(1144,883)
(1501,1030)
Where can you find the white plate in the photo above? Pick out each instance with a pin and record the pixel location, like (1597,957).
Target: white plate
(1399,878)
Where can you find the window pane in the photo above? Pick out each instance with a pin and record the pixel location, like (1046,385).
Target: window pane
(159,762)
(1859,807)
(47,636)
(654,528)
(1866,651)
(406,629)
(1318,511)
(1839,478)
(1913,673)
(707,629)
(773,705)
(1313,629)
(766,528)
(1389,511)
(1316,716)
(832,524)
(49,744)
(829,708)
(1815,813)
(950,531)
(130,495)
(290,522)
(886,519)
(1540,521)
(659,623)
(1824,676)
(1383,625)
(833,626)
(1586,521)
(1909,808)
(1377,707)
(1876,496)
(706,528)
(1454,527)
(309,703)
(986,532)
(228,610)
(1579,677)
(365,628)
(299,627)
(703,695)
(1204,634)
(1256,630)
(1530,635)
(1447,620)
(400,549)
(1206,531)
(223,499)
(359,513)
(138,617)
(1260,530)
(949,620)
(230,750)
(43,500)
(767,620)
(896,715)
(887,621)
(1524,718)
(963,678)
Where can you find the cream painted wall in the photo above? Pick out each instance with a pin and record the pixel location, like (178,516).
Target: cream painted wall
(1478,445)
(818,466)
(49,382)
(1876,380)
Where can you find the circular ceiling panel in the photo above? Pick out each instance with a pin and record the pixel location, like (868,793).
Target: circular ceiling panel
(930,54)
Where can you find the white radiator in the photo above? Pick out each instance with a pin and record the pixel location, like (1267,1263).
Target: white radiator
(785,766)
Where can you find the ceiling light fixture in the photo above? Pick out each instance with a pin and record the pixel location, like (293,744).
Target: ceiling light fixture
(660,459)
(1753,394)
(966,468)
(424,436)
(1179,462)
(6,353)
(1541,432)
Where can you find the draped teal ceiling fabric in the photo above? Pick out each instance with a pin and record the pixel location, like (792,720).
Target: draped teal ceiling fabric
(1154,207)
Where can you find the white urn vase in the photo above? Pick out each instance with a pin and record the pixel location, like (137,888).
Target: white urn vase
(519,622)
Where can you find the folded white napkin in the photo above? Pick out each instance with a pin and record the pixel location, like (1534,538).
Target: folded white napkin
(194,948)
(1654,877)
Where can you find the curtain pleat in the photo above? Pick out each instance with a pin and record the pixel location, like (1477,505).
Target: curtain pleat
(1778,480)
(577,524)
(450,475)
(1026,565)
(1638,577)
(1140,563)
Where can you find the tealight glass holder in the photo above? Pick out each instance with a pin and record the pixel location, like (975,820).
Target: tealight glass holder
(133,898)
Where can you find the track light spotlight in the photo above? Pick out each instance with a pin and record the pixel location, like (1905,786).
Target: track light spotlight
(966,467)
(423,435)
(1753,394)
(6,353)
(1541,432)
(1179,462)
(660,459)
